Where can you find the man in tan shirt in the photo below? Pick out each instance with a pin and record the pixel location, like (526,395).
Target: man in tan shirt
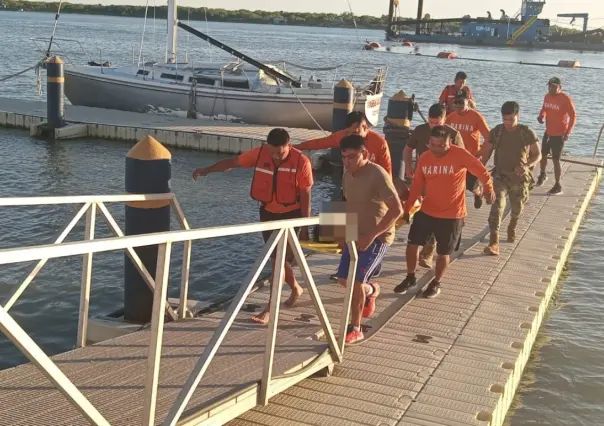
(372,202)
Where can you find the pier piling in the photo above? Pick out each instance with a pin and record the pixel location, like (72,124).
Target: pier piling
(148,171)
(397,129)
(343,104)
(55,82)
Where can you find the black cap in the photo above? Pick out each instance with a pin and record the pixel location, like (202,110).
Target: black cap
(461,94)
(554,80)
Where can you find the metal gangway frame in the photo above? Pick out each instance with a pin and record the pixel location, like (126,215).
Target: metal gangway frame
(283,236)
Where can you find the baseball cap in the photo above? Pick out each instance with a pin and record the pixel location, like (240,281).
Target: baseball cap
(554,80)
(461,94)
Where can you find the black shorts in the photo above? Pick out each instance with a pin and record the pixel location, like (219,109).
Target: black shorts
(447,232)
(266,216)
(470,181)
(552,145)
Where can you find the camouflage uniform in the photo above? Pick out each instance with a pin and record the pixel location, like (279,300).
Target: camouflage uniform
(507,184)
(517,188)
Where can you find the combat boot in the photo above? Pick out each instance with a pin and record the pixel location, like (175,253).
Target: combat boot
(493,247)
(512,230)
(426,256)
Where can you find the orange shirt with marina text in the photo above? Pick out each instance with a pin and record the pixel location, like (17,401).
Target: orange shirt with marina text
(443,182)
(377,146)
(559,113)
(470,124)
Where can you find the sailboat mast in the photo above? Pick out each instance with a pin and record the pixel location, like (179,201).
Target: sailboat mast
(172,31)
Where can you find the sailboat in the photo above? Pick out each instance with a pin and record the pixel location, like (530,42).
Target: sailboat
(254,92)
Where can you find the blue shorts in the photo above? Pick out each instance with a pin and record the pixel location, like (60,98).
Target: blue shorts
(368,264)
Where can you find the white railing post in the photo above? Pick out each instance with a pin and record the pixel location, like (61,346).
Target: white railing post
(86,278)
(294,243)
(36,356)
(352,271)
(157,332)
(227,320)
(186,261)
(271,337)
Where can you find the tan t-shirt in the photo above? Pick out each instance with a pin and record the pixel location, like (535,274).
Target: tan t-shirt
(421,136)
(512,147)
(365,194)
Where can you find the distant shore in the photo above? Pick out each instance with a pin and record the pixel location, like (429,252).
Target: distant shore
(344,20)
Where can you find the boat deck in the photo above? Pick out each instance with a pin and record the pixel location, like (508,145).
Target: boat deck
(454,360)
(201,134)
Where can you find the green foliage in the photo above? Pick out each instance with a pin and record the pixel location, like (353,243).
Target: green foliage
(343,20)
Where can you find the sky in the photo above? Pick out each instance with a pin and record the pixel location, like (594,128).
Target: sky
(436,8)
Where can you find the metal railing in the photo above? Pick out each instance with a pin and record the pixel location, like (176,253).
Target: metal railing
(598,142)
(283,235)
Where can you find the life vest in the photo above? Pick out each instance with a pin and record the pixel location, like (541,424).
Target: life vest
(281,184)
(451,92)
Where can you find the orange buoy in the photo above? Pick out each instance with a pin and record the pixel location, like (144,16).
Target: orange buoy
(407,43)
(447,55)
(569,64)
(372,45)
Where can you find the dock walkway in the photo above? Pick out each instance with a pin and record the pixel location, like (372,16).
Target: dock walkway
(454,360)
(201,134)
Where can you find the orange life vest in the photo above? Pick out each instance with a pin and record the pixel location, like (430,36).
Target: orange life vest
(281,183)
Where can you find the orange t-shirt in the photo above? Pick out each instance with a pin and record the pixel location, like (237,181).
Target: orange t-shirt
(304,178)
(377,146)
(471,124)
(559,113)
(443,181)
(447,96)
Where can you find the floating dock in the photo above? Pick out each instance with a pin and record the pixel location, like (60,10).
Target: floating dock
(453,360)
(200,134)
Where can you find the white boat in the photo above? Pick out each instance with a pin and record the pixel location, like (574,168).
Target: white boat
(268,93)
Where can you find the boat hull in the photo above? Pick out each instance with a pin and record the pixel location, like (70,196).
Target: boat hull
(271,109)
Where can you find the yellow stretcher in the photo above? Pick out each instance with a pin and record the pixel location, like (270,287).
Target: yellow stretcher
(334,248)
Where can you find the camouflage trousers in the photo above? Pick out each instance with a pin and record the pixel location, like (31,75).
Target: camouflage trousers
(517,191)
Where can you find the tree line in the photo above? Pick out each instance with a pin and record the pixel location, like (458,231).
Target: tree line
(343,20)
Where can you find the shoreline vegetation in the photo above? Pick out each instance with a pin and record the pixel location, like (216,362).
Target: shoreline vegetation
(325,20)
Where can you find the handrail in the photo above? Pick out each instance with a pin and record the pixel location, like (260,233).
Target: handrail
(282,237)
(79,199)
(598,142)
(8,256)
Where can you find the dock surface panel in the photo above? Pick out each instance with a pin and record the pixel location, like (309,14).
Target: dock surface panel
(453,360)
(457,359)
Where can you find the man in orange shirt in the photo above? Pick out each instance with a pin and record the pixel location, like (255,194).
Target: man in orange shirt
(471,124)
(356,124)
(560,117)
(285,197)
(447,97)
(441,176)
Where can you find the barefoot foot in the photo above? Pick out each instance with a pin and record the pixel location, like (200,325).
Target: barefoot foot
(293,298)
(262,318)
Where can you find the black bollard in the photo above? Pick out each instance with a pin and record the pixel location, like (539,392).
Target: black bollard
(148,171)
(343,104)
(397,129)
(55,82)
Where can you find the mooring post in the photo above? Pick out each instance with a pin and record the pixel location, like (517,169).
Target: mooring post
(148,171)
(343,104)
(55,82)
(396,129)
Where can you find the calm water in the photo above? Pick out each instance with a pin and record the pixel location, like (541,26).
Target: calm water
(565,375)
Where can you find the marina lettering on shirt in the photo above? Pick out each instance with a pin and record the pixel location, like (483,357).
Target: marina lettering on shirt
(471,125)
(559,114)
(438,170)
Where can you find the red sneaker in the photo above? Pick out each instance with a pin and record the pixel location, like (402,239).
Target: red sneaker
(369,308)
(354,336)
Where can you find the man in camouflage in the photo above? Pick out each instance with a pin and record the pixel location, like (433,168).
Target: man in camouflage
(516,151)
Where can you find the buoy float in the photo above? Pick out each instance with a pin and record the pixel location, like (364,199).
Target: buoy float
(569,64)
(407,43)
(372,45)
(447,55)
